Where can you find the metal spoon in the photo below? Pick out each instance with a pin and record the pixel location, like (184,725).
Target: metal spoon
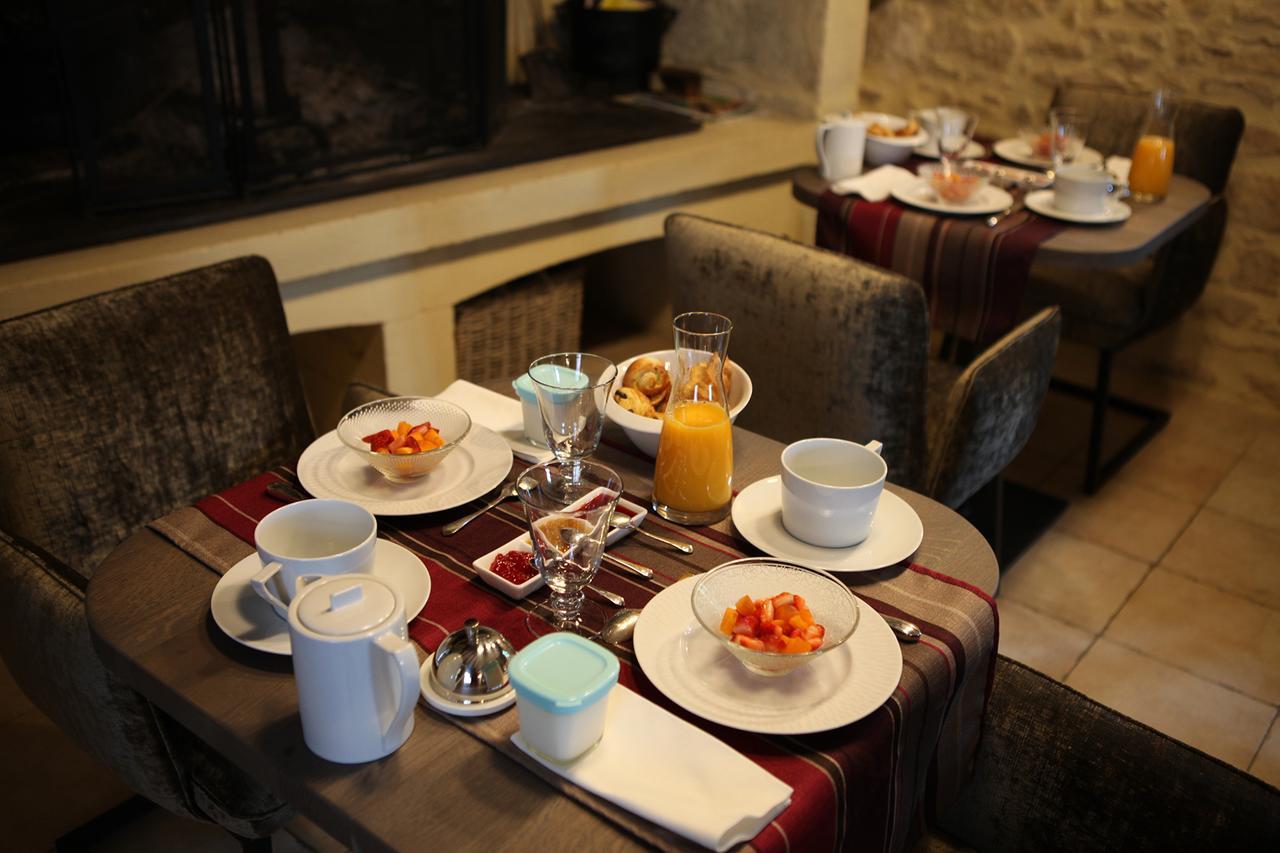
(620,626)
(506,491)
(907,632)
(613,598)
(620,522)
(571,538)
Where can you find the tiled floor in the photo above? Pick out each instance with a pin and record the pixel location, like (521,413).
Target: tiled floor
(1160,595)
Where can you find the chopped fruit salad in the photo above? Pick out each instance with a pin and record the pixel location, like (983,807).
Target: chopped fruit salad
(782,623)
(405,440)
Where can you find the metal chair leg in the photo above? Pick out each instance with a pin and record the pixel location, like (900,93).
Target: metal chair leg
(1101,392)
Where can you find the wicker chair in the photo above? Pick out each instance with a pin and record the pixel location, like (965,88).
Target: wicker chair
(839,347)
(114,410)
(1111,309)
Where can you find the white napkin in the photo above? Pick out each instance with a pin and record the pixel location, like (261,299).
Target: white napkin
(876,184)
(1119,168)
(499,413)
(656,765)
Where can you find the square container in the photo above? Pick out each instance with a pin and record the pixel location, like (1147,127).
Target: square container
(562,686)
(529,410)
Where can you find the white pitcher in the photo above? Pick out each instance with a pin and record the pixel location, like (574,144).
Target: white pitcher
(840,141)
(357,672)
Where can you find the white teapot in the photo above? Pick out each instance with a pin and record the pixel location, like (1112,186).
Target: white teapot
(840,140)
(357,672)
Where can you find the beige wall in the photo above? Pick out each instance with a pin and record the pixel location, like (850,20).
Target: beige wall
(1003,57)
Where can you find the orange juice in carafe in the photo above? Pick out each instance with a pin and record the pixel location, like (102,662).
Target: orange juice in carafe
(694,471)
(1151,168)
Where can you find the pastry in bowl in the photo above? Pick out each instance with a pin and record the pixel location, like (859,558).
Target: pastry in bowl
(423,432)
(784,615)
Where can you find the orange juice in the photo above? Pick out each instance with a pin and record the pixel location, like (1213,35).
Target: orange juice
(694,471)
(1152,166)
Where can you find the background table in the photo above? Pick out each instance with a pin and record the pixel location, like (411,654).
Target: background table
(148,608)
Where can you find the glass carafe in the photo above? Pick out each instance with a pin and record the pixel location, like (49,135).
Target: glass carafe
(693,475)
(1153,154)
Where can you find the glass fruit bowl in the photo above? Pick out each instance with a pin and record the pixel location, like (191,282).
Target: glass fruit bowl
(957,185)
(825,597)
(452,422)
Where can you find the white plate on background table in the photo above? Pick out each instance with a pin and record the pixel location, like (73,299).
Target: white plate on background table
(972,151)
(246,618)
(1018,151)
(989,199)
(1041,202)
(694,670)
(329,469)
(896,532)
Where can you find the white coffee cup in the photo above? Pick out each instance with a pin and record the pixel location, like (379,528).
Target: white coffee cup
(830,490)
(307,540)
(840,142)
(1082,190)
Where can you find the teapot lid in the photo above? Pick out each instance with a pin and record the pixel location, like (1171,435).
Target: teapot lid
(345,605)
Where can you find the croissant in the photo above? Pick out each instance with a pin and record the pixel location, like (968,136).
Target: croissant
(650,377)
(633,401)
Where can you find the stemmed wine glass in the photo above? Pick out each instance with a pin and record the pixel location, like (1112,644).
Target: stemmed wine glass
(955,129)
(572,388)
(568,505)
(1068,128)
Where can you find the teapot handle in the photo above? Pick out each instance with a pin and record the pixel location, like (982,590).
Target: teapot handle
(405,660)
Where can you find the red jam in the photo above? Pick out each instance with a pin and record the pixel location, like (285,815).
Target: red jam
(515,566)
(599,501)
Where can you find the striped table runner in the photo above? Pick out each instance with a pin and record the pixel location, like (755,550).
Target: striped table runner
(973,275)
(867,786)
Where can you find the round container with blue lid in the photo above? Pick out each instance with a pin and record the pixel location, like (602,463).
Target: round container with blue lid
(562,684)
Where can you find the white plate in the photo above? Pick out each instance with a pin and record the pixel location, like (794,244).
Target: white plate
(896,532)
(1041,202)
(329,469)
(989,199)
(426,677)
(972,151)
(522,543)
(695,671)
(1017,151)
(250,621)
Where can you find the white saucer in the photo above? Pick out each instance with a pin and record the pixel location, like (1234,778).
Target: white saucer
(426,678)
(1017,151)
(972,151)
(895,535)
(329,469)
(250,621)
(1041,202)
(695,671)
(989,199)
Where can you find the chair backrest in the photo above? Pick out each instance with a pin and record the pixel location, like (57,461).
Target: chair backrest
(119,407)
(992,409)
(834,346)
(1205,135)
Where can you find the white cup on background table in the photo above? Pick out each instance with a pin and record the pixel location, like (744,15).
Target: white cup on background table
(840,141)
(1082,190)
(830,490)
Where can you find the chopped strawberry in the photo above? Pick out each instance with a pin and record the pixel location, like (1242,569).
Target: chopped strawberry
(782,624)
(746,625)
(766,610)
(777,644)
(749,642)
(799,603)
(782,599)
(379,439)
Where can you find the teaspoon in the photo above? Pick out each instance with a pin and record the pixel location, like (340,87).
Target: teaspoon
(620,626)
(621,522)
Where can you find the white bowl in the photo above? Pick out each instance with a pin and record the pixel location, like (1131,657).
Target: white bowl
(643,431)
(889,149)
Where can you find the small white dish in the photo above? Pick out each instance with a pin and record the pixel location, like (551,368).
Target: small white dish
(328,469)
(1041,202)
(896,532)
(989,199)
(249,620)
(972,151)
(426,680)
(697,673)
(521,543)
(1017,150)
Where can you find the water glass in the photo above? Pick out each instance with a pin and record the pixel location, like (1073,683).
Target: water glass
(567,505)
(1068,129)
(572,389)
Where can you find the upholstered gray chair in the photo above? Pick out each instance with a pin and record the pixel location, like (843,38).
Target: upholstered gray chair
(1111,309)
(114,410)
(838,347)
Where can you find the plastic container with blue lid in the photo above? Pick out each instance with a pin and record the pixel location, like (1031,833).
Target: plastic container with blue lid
(562,684)
(549,375)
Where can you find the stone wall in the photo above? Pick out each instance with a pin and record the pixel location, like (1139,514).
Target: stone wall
(1003,58)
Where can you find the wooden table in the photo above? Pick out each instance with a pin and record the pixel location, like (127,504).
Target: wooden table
(1150,227)
(148,608)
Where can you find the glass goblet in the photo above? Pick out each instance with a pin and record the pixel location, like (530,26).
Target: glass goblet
(572,388)
(1068,129)
(568,505)
(955,129)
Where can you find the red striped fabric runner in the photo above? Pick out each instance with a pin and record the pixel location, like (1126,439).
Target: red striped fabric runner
(867,786)
(974,276)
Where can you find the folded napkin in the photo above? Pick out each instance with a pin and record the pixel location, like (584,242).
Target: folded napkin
(706,792)
(497,412)
(876,184)
(1119,168)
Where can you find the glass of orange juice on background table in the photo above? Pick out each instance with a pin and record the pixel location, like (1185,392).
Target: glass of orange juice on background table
(1153,154)
(693,474)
